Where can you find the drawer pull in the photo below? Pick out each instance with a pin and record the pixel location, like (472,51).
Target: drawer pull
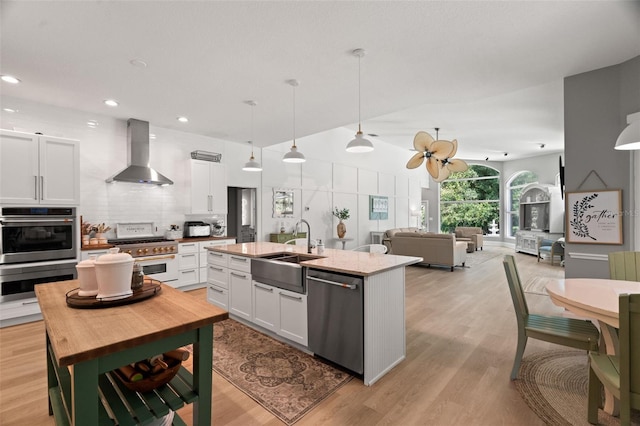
(241,259)
(269,289)
(213,253)
(239,275)
(217,290)
(30,303)
(216,269)
(291,297)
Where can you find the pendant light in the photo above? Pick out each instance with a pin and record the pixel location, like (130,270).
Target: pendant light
(359,144)
(294,156)
(252,165)
(629,139)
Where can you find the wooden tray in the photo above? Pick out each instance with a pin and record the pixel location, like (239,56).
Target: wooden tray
(150,288)
(153,381)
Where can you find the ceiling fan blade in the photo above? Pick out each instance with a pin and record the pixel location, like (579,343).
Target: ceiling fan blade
(444,173)
(455,148)
(456,165)
(415,161)
(432,167)
(441,149)
(422,141)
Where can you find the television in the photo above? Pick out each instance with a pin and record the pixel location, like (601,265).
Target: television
(536,217)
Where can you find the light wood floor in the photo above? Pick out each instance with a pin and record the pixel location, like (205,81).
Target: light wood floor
(461,338)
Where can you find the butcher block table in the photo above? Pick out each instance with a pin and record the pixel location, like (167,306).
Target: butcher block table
(83,344)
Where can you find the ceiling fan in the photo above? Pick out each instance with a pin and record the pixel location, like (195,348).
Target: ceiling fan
(439,155)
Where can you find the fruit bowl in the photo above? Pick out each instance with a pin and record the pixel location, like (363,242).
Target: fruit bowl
(152,381)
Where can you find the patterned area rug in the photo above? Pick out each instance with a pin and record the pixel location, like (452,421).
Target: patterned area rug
(554,385)
(537,285)
(284,380)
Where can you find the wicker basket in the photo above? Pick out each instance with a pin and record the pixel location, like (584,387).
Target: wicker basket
(154,381)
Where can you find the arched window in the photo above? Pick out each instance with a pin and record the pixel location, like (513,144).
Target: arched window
(470,198)
(512,203)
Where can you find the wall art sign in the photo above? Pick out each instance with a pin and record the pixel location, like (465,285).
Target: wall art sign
(378,207)
(594,217)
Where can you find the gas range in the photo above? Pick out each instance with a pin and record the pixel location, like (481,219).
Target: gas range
(147,246)
(137,239)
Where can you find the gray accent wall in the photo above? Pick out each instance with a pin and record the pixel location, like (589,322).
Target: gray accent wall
(596,107)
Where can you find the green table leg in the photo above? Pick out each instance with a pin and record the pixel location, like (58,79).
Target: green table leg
(85,393)
(52,380)
(202,372)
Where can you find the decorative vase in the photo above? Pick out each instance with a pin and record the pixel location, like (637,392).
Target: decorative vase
(342,229)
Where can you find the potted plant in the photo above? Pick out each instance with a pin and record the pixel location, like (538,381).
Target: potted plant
(341,215)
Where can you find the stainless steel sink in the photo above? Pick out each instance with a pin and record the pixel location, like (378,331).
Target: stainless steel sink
(282,270)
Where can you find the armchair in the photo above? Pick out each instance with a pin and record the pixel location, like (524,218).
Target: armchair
(551,248)
(470,233)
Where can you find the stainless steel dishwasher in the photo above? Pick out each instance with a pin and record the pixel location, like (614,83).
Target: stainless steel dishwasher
(335,316)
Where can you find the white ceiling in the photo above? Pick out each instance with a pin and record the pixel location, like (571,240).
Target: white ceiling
(487,73)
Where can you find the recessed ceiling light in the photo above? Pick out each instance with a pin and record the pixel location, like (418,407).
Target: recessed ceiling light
(10,79)
(111,102)
(152,136)
(182,119)
(11,110)
(92,123)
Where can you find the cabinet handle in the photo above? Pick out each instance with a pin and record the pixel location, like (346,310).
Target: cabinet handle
(291,297)
(216,269)
(216,289)
(238,275)
(209,202)
(241,259)
(30,303)
(35,187)
(212,253)
(269,289)
(42,187)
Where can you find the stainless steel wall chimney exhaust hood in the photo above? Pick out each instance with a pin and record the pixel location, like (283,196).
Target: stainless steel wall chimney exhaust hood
(138,169)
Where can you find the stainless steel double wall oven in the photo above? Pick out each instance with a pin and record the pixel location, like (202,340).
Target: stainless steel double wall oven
(37,245)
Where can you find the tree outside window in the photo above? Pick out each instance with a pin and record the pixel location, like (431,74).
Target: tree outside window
(514,190)
(470,198)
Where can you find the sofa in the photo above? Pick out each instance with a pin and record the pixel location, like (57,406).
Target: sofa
(434,249)
(386,237)
(470,234)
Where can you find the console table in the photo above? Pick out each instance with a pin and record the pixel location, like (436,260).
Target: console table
(83,345)
(283,237)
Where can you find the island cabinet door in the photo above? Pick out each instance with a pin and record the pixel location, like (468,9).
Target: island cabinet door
(240,294)
(265,306)
(293,317)
(218,296)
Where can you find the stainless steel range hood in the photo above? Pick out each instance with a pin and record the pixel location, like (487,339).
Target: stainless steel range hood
(138,169)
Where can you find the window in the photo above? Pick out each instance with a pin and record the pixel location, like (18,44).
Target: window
(514,190)
(470,198)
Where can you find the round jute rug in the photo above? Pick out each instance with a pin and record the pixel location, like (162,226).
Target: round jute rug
(554,385)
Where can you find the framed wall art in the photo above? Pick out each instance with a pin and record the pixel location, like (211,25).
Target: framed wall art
(594,217)
(378,207)
(282,203)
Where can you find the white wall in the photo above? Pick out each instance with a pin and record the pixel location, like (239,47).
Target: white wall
(331,177)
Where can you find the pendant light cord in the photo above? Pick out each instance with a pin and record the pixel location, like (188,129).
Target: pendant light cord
(359,93)
(252,107)
(294,114)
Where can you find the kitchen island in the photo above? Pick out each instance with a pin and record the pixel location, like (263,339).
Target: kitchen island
(383,292)
(84,344)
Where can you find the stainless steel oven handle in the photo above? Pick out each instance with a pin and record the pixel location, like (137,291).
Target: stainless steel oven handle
(152,259)
(349,286)
(10,221)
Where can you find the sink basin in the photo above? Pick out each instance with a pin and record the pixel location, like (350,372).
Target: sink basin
(281,270)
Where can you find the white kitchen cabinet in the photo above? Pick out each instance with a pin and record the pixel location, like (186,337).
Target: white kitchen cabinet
(38,169)
(266,308)
(19,311)
(292,323)
(281,311)
(188,268)
(240,302)
(218,296)
(203,253)
(208,187)
(192,257)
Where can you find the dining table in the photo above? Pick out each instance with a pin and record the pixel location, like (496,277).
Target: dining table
(596,299)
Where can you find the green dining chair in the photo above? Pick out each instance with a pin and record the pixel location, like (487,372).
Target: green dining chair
(620,374)
(624,265)
(576,333)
